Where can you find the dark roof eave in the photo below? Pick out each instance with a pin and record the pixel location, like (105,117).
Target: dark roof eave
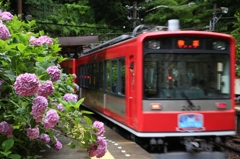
(78,40)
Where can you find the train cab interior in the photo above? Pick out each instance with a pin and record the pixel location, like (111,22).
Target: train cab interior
(181,76)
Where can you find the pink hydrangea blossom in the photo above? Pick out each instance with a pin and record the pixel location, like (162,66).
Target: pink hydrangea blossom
(100,126)
(57,145)
(70,96)
(51,119)
(33,133)
(54,73)
(6,129)
(46,40)
(45,138)
(32,38)
(26,84)
(60,107)
(39,107)
(98,150)
(6,16)
(40,41)
(45,89)
(4,32)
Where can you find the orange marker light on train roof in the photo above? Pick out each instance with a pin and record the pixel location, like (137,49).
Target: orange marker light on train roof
(156,106)
(221,105)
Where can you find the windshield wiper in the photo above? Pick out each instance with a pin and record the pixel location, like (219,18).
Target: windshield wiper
(188,100)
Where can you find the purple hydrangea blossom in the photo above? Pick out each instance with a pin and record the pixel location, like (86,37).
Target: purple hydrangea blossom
(100,126)
(57,145)
(98,150)
(60,107)
(70,88)
(70,96)
(54,73)
(1,82)
(6,129)
(39,107)
(40,41)
(74,75)
(6,16)
(26,84)
(76,86)
(45,138)
(33,133)
(51,119)
(4,32)
(46,89)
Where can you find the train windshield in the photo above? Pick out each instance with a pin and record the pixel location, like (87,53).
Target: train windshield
(192,76)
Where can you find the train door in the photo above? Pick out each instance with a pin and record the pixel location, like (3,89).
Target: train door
(131,88)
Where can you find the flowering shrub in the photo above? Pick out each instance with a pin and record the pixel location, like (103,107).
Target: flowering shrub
(36,104)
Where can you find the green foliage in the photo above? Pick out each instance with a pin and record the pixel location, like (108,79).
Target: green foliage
(18,56)
(236,34)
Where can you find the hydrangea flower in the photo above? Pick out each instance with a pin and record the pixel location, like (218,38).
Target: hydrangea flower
(1,82)
(54,73)
(98,150)
(40,41)
(70,96)
(45,138)
(100,126)
(39,107)
(4,32)
(60,107)
(6,129)
(70,88)
(57,145)
(26,84)
(33,133)
(76,86)
(45,89)
(74,75)
(51,119)
(6,16)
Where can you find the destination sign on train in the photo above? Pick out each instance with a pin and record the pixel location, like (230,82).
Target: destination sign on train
(198,43)
(184,44)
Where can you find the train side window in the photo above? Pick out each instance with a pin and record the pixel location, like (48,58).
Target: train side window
(94,76)
(100,75)
(84,75)
(122,76)
(108,76)
(114,71)
(80,73)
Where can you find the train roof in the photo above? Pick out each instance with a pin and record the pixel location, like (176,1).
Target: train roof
(173,24)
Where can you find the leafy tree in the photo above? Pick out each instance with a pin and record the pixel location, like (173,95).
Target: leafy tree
(191,15)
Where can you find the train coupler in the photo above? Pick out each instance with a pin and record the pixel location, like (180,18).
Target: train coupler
(197,145)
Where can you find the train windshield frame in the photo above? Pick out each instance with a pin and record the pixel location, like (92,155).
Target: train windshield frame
(186,73)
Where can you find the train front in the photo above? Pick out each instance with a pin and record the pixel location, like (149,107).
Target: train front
(188,88)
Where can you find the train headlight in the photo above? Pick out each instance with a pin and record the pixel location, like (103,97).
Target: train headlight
(219,45)
(154,44)
(156,106)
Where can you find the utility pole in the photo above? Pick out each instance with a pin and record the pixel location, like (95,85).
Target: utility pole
(214,17)
(214,20)
(134,13)
(19,4)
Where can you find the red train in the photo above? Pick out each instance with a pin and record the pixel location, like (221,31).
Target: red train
(164,87)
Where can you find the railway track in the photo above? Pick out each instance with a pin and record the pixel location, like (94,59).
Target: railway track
(232,147)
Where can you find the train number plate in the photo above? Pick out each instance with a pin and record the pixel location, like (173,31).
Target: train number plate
(190,122)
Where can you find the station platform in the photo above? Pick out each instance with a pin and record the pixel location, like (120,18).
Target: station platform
(118,148)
